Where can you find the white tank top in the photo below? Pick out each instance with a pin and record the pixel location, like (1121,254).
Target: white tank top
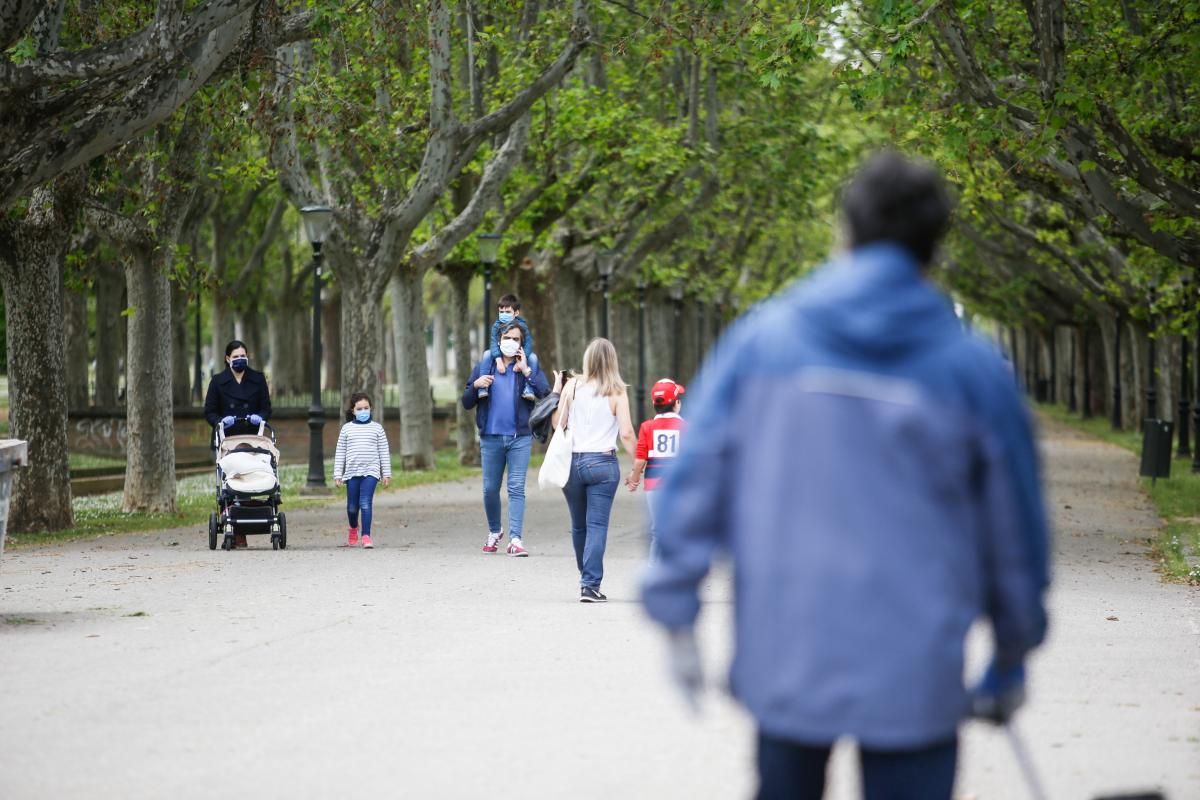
(593,424)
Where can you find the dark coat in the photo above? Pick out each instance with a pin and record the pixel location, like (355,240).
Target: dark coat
(228,398)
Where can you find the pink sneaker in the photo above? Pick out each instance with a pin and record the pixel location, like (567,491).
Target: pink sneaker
(352,537)
(366,540)
(516,549)
(493,540)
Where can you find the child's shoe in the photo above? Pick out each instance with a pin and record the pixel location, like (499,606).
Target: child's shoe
(482,393)
(528,394)
(352,537)
(366,540)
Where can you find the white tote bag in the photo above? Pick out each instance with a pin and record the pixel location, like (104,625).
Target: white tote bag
(556,467)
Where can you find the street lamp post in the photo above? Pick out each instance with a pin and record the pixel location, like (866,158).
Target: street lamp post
(317,222)
(641,375)
(606,263)
(676,294)
(489,251)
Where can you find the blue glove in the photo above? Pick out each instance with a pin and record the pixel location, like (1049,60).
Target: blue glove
(999,694)
(226,422)
(255,419)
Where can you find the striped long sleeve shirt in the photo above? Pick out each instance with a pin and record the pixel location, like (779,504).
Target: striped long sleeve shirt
(362,449)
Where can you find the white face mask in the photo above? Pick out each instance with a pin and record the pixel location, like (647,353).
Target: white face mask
(509,347)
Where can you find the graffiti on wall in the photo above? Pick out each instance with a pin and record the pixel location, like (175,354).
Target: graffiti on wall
(100,437)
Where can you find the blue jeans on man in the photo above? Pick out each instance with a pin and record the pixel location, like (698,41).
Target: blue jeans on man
(590,490)
(498,452)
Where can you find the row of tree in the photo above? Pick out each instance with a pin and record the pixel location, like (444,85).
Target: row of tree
(155,153)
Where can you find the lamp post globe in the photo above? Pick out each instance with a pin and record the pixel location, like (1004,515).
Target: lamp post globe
(318,220)
(489,252)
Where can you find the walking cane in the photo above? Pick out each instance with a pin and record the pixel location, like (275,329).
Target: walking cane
(1024,762)
(1034,782)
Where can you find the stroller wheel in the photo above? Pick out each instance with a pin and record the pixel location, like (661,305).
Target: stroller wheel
(227,543)
(274,541)
(283,531)
(212,531)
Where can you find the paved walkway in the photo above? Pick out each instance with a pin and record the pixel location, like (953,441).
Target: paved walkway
(146,666)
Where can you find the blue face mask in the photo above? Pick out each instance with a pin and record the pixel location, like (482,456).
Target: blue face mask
(506,317)
(363,416)
(239,363)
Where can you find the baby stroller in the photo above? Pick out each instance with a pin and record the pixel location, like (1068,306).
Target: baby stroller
(247,486)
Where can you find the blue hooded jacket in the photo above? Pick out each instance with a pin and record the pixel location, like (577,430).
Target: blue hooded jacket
(870,469)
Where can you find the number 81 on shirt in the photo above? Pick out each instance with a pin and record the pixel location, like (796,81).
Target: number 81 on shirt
(665,444)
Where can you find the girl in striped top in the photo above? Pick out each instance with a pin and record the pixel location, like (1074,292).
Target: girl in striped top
(361,461)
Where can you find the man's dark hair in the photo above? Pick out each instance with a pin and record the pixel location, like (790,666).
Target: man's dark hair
(897,199)
(512,326)
(234,345)
(510,301)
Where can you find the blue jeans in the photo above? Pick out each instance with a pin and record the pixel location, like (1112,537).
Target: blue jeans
(496,452)
(360,495)
(793,771)
(651,499)
(590,491)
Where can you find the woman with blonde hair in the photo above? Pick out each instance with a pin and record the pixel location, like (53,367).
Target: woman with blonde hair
(597,412)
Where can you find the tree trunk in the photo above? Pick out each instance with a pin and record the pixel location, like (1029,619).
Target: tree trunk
(538,311)
(1114,377)
(77,349)
(222,331)
(416,402)
(181,379)
(289,336)
(150,464)
(461,322)
(32,254)
(570,323)
(1133,365)
(110,334)
(441,343)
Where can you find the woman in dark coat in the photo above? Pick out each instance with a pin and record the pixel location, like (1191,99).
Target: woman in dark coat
(234,393)
(237,392)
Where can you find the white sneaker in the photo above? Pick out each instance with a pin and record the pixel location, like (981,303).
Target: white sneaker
(516,549)
(493,540)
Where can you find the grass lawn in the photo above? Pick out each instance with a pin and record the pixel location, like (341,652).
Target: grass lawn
(100,515)
(1177,499)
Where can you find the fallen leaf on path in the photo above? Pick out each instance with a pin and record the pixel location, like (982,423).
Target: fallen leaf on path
(1111,619)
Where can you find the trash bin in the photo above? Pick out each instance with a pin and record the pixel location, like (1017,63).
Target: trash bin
(13,454)
(1156,448)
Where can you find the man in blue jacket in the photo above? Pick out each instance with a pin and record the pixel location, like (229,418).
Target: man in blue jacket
(870,469)
(505,439)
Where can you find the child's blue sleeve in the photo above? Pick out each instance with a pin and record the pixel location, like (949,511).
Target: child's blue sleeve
(495,340)
(528,336)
